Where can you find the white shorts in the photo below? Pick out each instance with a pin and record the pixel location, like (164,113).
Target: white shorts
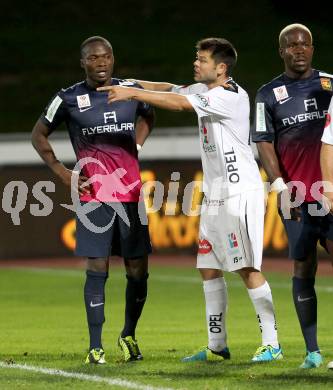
(232,238)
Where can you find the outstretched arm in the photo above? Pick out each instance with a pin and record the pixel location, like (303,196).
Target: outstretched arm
(40,142)
(155,86)
(167,100)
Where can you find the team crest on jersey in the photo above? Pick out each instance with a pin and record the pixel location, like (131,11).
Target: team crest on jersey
(203,100)
(83,101)
(326,83)
(204,247)
(280,93)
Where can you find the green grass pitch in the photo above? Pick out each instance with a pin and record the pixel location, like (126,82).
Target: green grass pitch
(42,323)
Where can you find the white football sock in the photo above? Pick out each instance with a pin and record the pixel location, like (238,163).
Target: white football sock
(216,297)
(263,305)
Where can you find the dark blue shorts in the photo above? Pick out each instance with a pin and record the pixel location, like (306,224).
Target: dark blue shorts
(303,236)
(119,229)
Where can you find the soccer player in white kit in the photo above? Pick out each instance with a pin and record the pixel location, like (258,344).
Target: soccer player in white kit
(232,216)
(326,155)
(326,165)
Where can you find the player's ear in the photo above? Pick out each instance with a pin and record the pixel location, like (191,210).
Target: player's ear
(281,52)
(222,69)
(82,63)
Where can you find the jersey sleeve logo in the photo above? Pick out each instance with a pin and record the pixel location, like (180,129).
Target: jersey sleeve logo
(280,93)
(202,100)
(260,118)
(83,101)
(204,133)
(53,107)
(326,84)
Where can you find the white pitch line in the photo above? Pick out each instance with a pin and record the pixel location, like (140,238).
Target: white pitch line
(83,377)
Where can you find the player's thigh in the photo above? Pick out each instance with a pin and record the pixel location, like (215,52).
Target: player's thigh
(253,212)
(329,246)
(326,239)
(134,236)
(94,233)
(242,230)
(303,235)
(208,256)
(231,237)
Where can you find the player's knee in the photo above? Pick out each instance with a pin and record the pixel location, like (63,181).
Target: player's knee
(142,278)
(97,264)
(248,273)
(209,274)
(137,273)
(136,268)
(305,269)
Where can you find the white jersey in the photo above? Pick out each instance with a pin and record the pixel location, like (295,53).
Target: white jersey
(327,137)
(228,162)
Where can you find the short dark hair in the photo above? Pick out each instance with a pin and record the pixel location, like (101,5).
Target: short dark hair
(90,40)
(221,51)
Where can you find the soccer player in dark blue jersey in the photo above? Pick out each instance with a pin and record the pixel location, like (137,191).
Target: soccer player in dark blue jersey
(104,138)
(289,123)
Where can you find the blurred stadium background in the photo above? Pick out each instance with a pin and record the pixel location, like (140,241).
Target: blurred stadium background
(41,310)
(152,40)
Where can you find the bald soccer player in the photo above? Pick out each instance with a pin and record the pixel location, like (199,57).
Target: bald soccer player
(289,123)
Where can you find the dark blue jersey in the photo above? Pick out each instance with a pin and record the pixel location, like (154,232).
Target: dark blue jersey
(291,113)
(101,131)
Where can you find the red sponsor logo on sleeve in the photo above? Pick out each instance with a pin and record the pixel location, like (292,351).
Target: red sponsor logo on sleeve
(204,247)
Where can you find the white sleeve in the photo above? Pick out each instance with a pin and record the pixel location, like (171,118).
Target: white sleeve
(189,89)
(327,137)
(216,101)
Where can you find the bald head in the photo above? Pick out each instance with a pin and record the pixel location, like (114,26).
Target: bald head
(290,29)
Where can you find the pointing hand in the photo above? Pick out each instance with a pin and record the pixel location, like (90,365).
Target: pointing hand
(117,92)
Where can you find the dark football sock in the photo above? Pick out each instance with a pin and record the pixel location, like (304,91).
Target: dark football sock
(94,298)
(305,301)
(136,294)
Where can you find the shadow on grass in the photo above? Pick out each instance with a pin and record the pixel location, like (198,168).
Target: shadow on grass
(314,377)
(27,358)
(172,369)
